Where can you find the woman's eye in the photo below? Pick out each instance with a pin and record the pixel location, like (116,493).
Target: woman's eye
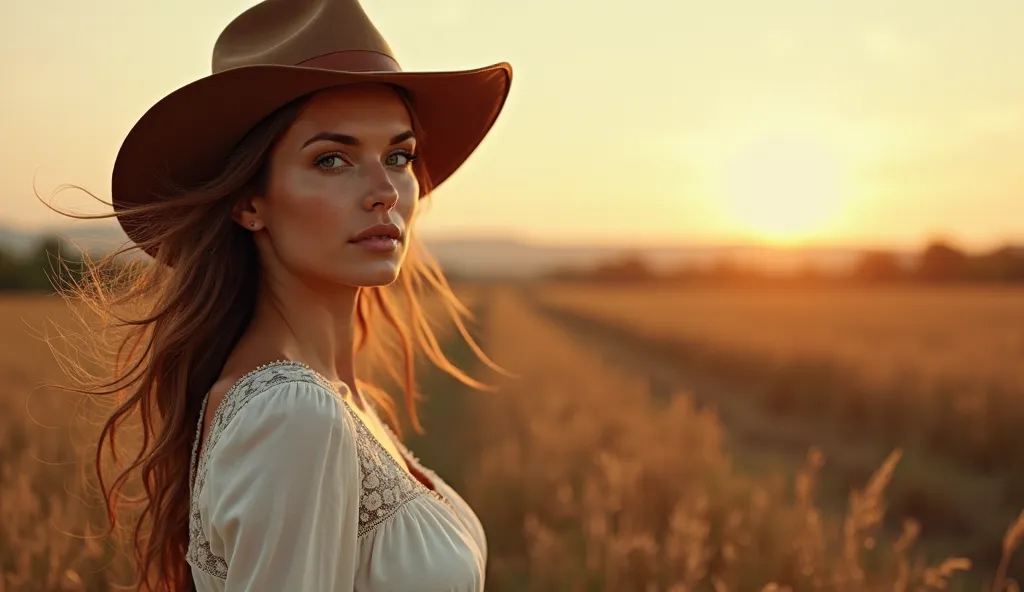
(399,159)
(330,161)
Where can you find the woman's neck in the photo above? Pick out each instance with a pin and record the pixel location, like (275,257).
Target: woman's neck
(312,325)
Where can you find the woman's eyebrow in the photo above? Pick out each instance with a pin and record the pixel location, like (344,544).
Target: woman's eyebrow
(352,140)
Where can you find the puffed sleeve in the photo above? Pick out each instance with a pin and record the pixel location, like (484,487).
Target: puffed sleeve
(284,492)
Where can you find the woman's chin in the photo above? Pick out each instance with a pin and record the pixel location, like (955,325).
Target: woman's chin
(379,273)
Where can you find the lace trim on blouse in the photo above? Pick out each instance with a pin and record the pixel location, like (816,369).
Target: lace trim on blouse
(385,486)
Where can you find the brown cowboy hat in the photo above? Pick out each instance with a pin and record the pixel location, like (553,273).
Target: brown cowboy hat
(278,51)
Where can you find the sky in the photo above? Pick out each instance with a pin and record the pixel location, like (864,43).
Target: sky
(786,122)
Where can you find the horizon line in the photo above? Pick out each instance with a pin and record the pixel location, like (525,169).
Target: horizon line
(535,240)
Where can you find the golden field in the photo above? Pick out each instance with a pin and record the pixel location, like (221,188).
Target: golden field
(933,370)
(614,490)
(585,478)
(933,336)
(48,507)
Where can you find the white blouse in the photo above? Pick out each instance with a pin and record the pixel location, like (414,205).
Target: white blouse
(292,492)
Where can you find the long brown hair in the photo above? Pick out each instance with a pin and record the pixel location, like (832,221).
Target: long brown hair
(179,314)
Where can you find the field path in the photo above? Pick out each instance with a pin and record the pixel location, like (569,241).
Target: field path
(765,442)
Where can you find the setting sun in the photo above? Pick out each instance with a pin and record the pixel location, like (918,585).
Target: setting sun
(782,187)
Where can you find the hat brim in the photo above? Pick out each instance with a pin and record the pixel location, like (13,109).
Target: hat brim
(184,138)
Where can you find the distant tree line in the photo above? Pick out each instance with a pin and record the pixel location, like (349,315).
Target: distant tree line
(54,261)
(51,263)
(942,262)
(939,262)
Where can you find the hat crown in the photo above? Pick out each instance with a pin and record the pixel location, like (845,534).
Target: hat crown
(291,32)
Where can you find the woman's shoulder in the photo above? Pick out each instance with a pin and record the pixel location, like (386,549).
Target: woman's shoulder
(276,393)
(278,383)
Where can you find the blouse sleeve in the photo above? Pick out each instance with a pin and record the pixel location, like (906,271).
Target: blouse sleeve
(284,492)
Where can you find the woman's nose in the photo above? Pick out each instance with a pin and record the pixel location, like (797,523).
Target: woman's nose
(381,193)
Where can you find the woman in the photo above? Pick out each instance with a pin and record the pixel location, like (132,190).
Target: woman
(278,199)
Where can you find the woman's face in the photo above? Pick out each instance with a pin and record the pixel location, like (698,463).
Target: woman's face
(341,194)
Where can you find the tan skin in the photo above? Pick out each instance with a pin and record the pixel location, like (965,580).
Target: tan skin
(320,195)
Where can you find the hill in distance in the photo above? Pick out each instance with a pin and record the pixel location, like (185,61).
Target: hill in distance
(505,257)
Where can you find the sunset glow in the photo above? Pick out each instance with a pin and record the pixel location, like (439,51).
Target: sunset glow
(782,187)
(800,121)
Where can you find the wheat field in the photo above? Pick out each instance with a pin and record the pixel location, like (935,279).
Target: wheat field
(935,371)
(971,336)
(49,511)
(937,366)
(617,491)
(583,480)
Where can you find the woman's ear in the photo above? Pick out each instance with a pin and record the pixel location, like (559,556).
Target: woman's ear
(246,213)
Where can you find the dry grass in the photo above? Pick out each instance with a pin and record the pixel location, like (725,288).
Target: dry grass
(963,334)
(50,512)
(938,366)
(587,484)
